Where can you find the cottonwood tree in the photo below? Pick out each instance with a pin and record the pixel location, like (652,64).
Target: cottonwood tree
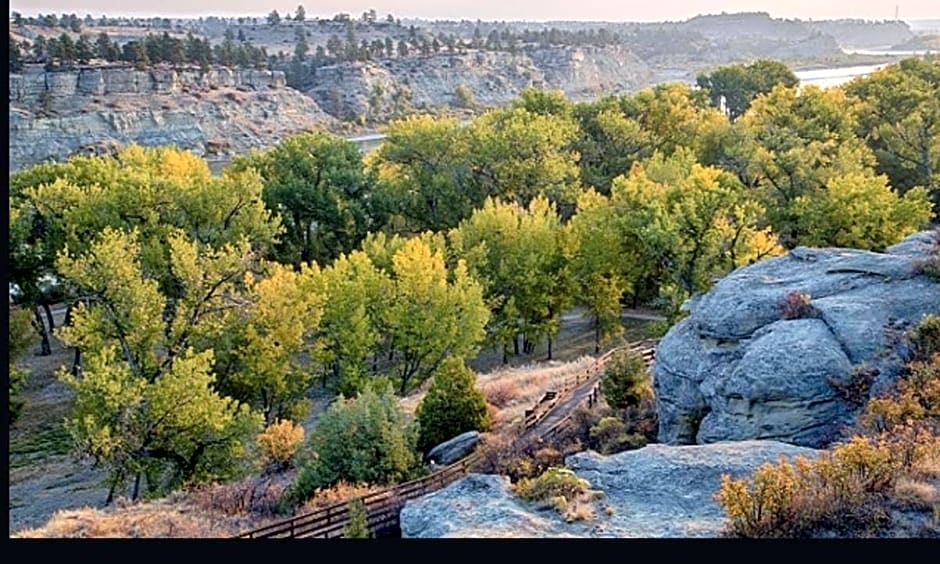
(691,223)
(517,254)
(316,183)
(899,118)
(146,405)
(432,314)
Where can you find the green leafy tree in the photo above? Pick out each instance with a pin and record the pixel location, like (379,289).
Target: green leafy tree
(899,118)
(432,314)
(300,15)
(422,175)
(452,406)
(617,132)
(518,255)
(362,440)
(603,262)
(350,328)
(690,223)
(796,143)
(517,155)
(463,97)
(316,183)
(145,400)
(736,86)
(861,211)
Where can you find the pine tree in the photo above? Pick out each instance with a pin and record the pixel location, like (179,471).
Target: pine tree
(452,406)
(358,526)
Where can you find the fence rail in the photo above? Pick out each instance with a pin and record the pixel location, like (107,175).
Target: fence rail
(383,508)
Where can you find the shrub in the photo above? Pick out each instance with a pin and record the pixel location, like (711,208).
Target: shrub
(838,490)
(925,338)
(555,482)
(560,489)
(452,406)
(856,388)
(626,380)
(365,439)
(358,526)
(500,393)
(610,436)
(797,305)
(279,443)
(463,97)
(249,496)
(340,492)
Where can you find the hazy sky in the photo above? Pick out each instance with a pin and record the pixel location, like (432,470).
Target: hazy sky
(611,10)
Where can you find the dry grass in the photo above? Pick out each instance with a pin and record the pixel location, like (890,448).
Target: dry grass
(916,494)
(339,493)
(519,388)
(147,520)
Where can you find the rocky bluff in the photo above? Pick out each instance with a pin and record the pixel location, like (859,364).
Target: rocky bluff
(741,367)
(56,114)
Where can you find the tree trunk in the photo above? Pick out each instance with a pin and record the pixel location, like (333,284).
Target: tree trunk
(505,356)
(48,310)
(41,327)
(515,345)
(111,493)
(549,347)
(77,363)
(136,493)
(597,334)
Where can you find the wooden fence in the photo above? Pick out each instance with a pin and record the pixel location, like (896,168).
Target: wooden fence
(383,508)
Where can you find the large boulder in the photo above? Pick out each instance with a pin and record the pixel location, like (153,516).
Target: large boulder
(655,491)
(455,448)
(738,368)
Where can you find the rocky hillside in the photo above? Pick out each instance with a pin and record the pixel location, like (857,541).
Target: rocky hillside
(222,111)
(745,364)
(861,33)
(494,77)
(655,491)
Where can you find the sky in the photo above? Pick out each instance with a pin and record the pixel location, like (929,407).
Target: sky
(532,10)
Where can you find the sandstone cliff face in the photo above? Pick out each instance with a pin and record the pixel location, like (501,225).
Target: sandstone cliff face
(56,114)
(655,491)
(735,369)
(344,90)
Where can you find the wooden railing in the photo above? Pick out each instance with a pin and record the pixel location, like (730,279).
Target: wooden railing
(383,508)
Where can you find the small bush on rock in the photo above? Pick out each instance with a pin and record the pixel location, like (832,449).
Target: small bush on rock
(925,338)
(797,305)
(560,489)
(839,490)
(610,436)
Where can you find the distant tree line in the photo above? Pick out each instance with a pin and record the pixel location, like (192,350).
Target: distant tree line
(63,51)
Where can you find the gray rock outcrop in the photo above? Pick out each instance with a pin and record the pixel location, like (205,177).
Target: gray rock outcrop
(655,491)
(735,369)
(455,448)
(53,115)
